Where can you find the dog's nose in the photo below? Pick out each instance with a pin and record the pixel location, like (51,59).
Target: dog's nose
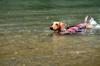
(51,28)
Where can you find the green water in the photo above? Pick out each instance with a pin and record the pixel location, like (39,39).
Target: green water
(25,38)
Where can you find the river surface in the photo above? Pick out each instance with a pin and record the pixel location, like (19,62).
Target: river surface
(26,40)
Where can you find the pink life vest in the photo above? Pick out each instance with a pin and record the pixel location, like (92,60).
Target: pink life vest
(76,28)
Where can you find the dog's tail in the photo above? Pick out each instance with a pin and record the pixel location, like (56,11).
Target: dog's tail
(86,18)
(89,19)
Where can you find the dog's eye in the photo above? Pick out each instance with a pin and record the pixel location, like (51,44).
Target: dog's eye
(56,24)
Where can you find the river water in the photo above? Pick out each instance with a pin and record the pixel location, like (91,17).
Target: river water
(26,40)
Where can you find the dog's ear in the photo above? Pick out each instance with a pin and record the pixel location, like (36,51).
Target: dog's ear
(51,24)
(62,25)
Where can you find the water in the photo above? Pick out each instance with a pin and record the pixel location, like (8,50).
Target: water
(25,38)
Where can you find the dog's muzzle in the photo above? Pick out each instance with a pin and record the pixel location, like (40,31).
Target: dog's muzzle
(51,28)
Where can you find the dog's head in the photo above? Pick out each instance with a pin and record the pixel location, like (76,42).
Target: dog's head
(57,26)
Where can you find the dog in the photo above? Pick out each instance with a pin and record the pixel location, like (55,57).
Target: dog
(91,25)
(61,28)
(88,25)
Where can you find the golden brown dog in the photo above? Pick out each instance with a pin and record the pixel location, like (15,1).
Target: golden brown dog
(60,27)
(89,24)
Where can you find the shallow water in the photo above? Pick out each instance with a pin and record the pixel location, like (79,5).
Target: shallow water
(25,38)
(46,49)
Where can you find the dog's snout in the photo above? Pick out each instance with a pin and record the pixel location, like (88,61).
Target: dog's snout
(51,28)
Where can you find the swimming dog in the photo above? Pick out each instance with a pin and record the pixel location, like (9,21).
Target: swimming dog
(60,27)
